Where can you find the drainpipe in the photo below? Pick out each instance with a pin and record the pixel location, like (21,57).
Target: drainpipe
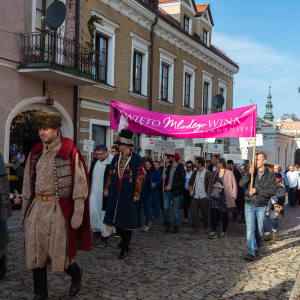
(76,88)
(151,63)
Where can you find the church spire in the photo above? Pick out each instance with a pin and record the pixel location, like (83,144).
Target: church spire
(269,107)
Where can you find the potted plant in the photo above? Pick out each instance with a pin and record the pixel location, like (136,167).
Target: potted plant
(16,200)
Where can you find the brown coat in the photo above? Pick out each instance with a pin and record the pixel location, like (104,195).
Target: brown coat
(230,187)
(44,223)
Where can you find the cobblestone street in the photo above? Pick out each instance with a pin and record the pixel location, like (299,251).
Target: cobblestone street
(172,266)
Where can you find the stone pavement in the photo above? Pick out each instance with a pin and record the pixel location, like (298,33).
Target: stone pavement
(173,266)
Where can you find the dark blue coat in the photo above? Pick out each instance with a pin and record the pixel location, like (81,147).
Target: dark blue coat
(154,178)
(121,211)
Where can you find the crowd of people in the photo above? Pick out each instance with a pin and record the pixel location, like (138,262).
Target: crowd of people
(65,204)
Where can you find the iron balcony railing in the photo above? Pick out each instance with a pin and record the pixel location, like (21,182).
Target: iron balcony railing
(46,49)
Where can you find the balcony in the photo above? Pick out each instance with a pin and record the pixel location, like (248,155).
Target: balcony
(55,58)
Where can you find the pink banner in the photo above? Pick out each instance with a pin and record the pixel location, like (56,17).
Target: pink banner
(240,122)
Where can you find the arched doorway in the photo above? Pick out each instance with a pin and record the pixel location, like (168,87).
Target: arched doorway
(297,157)
(21,136)
(37,103)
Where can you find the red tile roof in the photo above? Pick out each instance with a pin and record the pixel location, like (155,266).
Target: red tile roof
(201,8)
(289,127)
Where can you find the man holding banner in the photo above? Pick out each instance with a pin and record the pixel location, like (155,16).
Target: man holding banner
(256,203)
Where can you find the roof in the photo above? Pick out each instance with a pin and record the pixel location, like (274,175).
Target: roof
(289,127)
(223,55)
(201,8)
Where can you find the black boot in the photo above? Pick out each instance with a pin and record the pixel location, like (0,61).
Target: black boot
(40,297)
(76,284)
(3,266)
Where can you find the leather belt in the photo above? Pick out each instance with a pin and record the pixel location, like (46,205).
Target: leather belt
(45,198)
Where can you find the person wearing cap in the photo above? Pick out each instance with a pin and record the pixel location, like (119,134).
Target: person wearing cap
(55,210)
(5,213)
(123,189)
(175,180)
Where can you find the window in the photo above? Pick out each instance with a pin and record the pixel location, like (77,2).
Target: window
(186,24)
(187,90)
(41,7)
(105,47)
(222,91)
(207,92)
(164,82)
(166,75)
(188,84)
(205,37)
(139,70)
(205,98)
(101,66)
(98,135)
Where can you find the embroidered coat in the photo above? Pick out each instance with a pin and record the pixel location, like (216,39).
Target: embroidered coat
(57,169)
(124,210)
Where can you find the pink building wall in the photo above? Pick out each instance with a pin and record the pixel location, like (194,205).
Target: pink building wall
(15,19)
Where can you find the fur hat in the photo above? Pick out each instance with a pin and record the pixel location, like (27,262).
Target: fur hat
(44,119)
(125,138)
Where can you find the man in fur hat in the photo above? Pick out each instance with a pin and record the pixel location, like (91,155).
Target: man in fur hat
(5,213)
(123,187)
(55,211)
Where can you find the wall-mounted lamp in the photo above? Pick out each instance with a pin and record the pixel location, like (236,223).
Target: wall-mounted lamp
(49,100)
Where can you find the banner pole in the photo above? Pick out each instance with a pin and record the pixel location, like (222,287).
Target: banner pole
(110,136)
(253,161)
(164,174)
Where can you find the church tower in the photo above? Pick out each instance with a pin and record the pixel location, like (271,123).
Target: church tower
(269,107)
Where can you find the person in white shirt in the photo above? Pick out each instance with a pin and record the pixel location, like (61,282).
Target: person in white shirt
(294,185)
(198,186)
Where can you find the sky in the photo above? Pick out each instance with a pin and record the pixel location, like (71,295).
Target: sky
(263,37)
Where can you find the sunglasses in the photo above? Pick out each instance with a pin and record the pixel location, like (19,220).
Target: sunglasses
(189,167)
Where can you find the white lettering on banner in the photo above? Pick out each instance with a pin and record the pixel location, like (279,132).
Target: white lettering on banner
(168,121)
(229,124)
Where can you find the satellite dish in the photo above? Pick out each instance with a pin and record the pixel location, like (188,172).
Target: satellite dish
(218,101)
(55,15)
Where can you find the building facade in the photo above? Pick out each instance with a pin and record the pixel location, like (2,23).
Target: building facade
(39,69)
(156,55)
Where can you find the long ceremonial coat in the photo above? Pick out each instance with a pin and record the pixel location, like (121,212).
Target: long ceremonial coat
(121,210)
(57,169)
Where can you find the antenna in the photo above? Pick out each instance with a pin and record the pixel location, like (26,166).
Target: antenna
(218,101)
(55,15)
